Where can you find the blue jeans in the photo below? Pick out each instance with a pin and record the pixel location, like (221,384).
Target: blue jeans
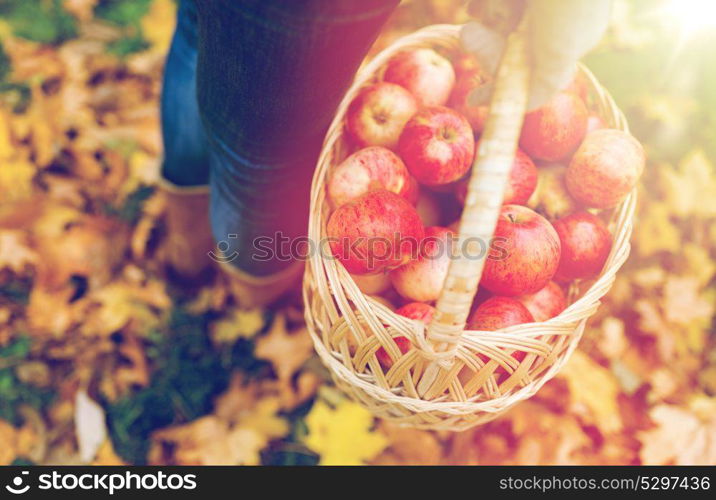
(250,88)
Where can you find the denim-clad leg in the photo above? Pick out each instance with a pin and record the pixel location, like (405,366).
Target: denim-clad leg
(186,158)
(270,75)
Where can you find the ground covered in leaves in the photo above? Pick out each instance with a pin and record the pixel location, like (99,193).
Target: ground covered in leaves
(103,361)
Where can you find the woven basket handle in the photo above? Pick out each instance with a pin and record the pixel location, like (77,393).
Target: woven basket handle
(485,191)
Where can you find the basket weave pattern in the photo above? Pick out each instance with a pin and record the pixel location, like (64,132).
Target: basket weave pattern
(348,327)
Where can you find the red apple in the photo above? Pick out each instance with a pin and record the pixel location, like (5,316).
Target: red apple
(524,253)
(378,231)
(466,64)
(377,115)
(520,185)
(422,279)
(545,303)
(551,197)
(586,243)
(468,77)
(368,169)
(413,310)
(605,168)
(417,310)
(494,314)
(437,146)
(595,122)
(497,313)
(384,358)
(555,130)
(425,73)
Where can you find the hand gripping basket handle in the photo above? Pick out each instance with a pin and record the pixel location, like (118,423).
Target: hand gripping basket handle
(485,191)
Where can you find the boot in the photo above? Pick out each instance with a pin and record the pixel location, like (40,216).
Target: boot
(189,238)
(256,291)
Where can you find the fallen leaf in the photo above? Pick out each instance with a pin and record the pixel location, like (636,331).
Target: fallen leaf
(343,435)
(90,427)
(16,253)
(593,391)
(155,27)
(684,301)
(409,446)
(287,351)
(107,456)
(239,323)
(8,437)
(679,438)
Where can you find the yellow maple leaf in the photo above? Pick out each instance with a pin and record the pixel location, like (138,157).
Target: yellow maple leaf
(690,189)
(656,232)
(595,388)
(239,323)
(158,24)
(6,148)
(120,302)
(16,180)
(106,455)
(697,262)
(8,437)
(343,435)
(5,29)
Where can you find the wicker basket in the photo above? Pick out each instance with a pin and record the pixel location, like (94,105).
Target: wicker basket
(422,388)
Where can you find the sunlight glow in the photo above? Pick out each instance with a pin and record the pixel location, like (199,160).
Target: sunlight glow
(692,16)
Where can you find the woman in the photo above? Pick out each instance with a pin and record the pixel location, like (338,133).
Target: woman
(250,88)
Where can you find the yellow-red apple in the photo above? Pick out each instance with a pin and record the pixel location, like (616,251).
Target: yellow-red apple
(377,115)
(605,168)
(554,131)
(437,146)
(378,231)
(586,242)
(425,73)
(545,303)
(369,169)
(524,253)
(422,279)
(520,184)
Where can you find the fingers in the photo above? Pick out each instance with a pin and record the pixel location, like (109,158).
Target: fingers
(485,43)
(561,32)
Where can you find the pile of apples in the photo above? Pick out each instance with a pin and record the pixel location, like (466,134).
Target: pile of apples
(414,138)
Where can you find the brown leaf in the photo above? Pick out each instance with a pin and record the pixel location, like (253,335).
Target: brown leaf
(410,446)
(594,392)
(681,436)
(15,251)
(286,351)
(8,437)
